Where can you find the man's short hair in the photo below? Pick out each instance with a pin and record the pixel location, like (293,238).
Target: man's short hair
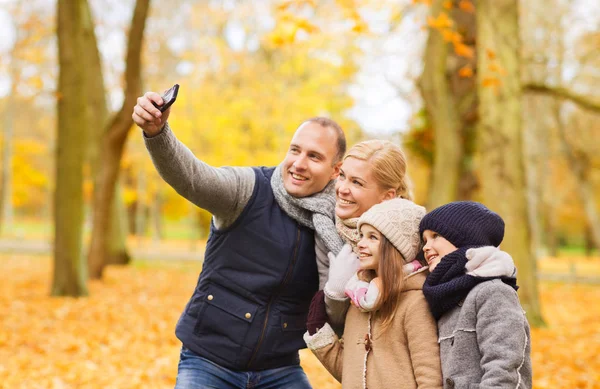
(341,137)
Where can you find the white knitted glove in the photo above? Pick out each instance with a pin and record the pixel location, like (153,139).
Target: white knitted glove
(341,268)
(490,261)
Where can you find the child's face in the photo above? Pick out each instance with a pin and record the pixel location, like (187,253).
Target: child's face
(436,247)
(369,248)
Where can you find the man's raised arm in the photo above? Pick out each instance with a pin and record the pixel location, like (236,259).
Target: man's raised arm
(224,191)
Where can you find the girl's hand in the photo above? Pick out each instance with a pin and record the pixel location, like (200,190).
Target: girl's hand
(341,268)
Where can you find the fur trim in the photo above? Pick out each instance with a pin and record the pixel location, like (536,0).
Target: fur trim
(324,337)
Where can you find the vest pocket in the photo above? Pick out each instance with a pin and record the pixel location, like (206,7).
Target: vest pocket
(289,331)
(224,320)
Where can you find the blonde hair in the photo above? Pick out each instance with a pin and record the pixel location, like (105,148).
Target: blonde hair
(388,164)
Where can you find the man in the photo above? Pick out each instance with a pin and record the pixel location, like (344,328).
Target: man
(244,323)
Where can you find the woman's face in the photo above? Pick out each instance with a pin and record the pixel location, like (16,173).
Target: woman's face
(356,190)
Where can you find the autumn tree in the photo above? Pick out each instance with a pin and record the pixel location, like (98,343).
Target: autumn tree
(70,270)
(113,143)
(503,171)
(97,115)
(450,98)
(572,105)
(25,67)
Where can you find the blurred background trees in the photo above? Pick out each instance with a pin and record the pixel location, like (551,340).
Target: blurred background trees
(499,111)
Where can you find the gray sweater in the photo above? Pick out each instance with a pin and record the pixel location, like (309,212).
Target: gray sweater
(485,342)
(222,191)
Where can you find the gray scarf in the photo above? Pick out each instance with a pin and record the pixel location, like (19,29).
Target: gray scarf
(316,212)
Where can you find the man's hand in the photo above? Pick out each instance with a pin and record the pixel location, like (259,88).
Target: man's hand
(147,116)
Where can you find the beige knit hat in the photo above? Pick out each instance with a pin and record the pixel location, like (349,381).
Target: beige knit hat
(398,220)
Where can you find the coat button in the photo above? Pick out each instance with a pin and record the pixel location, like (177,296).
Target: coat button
(248,315)
(284,325)
(450,382)
(210,297)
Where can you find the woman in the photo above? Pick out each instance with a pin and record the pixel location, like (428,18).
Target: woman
(372,171)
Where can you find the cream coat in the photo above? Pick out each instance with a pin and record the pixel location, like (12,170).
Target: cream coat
(407,355)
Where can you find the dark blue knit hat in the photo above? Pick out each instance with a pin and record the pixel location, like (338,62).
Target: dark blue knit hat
(465,223)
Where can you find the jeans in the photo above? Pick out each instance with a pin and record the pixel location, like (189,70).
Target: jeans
(195,372)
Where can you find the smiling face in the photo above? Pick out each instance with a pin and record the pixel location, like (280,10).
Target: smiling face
(357,190)
(309,164)
(369,248)
(436,247)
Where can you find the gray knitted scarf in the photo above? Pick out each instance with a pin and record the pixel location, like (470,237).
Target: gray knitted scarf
(316,212)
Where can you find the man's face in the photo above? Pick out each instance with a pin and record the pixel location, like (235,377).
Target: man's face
(308,165)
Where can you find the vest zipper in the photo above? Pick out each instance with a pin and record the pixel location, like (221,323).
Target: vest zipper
(274,296)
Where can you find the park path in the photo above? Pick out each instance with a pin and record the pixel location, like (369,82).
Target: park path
(184,251)
(147,250)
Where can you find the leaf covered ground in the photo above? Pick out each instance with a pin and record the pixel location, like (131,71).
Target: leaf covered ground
(122,336)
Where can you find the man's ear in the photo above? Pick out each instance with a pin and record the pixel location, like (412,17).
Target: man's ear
(336,170)
(389,194)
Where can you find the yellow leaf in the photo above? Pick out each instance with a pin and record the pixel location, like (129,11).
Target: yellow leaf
(360,28)
(285,5)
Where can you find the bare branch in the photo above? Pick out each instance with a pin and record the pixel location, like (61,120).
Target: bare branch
(585,102)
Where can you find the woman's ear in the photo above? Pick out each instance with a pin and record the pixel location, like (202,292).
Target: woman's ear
(389,194)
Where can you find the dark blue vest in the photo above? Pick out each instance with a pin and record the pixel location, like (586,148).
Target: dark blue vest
(249,308)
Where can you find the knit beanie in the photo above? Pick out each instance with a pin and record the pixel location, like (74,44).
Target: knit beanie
(398,220)
(465,223)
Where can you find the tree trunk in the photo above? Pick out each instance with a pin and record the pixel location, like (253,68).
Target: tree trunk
(140,206)
(585,185)
(6,204)
(97,116)
(113,143)
(534,146)
(451,105)
(551,236)
(6,182)
(69,267)
(442,113)
(501,142)
(155,216)
(117,244)
(589,241)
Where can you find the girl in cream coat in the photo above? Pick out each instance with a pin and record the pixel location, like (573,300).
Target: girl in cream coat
(390,337)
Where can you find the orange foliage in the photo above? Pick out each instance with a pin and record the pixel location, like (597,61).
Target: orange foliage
(466,6)
(122,336)
(452,36)
(466,71)
(490,82)
(441,22)
(463,50)
(496,68)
